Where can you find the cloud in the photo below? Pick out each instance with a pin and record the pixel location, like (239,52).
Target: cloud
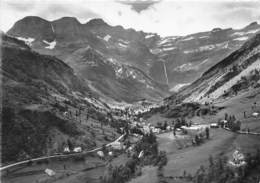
(139,5)
(165,17)
(60,10)
(21,7)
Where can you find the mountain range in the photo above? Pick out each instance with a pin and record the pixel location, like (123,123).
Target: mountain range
(158,64)
(236,73)
(50,68)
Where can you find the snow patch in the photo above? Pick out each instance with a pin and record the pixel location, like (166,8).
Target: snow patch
(107,37)
(163,41)
(51,45)
(122,45)
(188,38)
(149,36)
(99,37)
(155,51)
(169,48)
(245,33)
(169,44)
(178,87)
(185,67)
(208,47)
(124,41)
(27,41)
(190,66)
(238,34)
(241,38)
(204,37)
(167,40)
(253,31)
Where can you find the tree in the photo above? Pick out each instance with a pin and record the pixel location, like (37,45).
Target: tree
(165,125)
(226,116)
(207,132)
(197,140)
(70,145)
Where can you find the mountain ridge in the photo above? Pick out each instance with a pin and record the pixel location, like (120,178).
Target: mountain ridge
(172,61)
(235,73)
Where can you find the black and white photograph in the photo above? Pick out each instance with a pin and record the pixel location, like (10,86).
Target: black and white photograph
(130,91)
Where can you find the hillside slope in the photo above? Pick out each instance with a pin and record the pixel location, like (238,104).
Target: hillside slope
(239,71)
(45,105)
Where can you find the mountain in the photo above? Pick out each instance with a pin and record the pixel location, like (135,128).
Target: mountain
(188,56)
(45,105)
(237,72)
(98,52)
(175,60)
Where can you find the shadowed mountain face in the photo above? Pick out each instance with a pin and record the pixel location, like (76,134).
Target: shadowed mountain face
(175,61)
(112,60)
(237,72)
(40,96)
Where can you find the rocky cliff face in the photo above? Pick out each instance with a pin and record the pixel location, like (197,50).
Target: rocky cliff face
(237,72)
(175,61)
(99,53)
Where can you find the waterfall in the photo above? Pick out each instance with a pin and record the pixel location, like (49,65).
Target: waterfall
(52,28)
(165,72)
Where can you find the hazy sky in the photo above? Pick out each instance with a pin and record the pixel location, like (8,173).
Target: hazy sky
(165,17)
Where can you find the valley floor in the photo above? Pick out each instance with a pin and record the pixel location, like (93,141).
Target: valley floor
(182,156)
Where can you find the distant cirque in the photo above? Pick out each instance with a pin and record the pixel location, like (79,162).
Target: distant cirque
(185,57)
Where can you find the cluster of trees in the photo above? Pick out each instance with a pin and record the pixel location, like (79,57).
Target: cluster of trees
(121,173)
(218,171)
(162,126)
(185,109)
(199,138)
(232,123)
(148,145)
(26,132)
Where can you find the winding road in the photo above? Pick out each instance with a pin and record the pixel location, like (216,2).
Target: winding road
(55,156)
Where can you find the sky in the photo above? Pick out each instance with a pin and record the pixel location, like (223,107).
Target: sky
(164,17)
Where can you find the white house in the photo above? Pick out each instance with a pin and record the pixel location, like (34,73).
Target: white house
(255,114)
(49,172)
(100,154)
(66,149)
(77,149)
(116,145)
